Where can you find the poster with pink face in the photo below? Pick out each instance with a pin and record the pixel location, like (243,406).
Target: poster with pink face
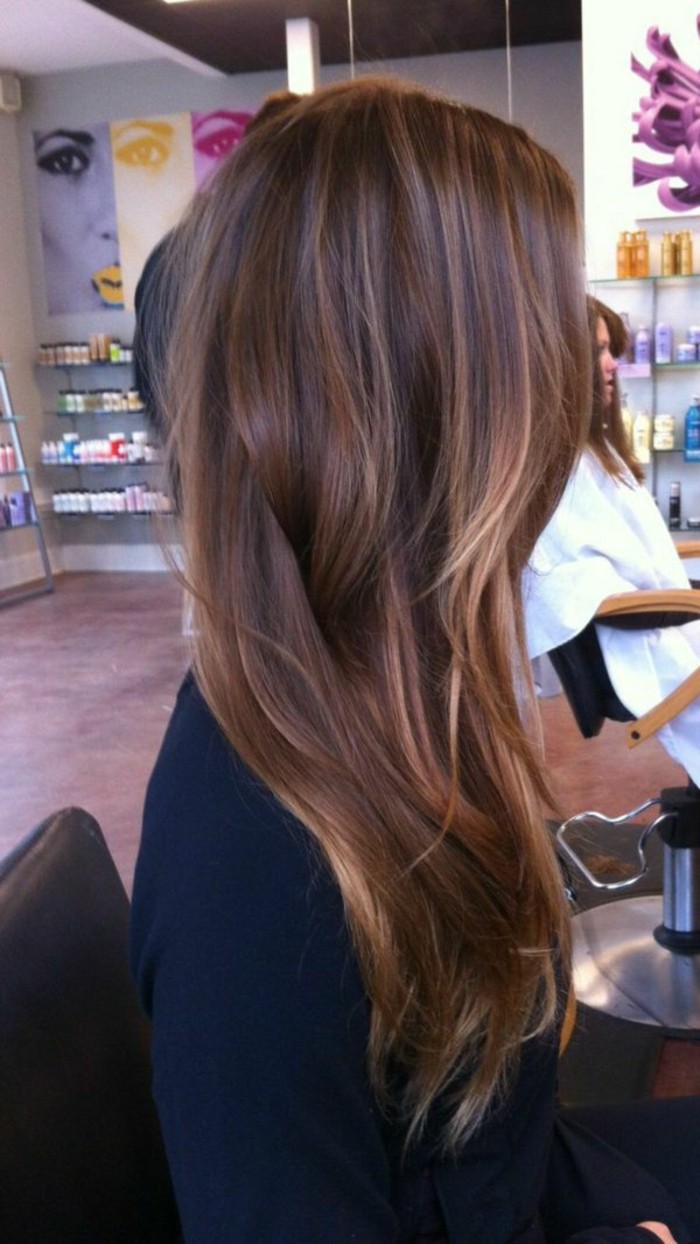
(214,135)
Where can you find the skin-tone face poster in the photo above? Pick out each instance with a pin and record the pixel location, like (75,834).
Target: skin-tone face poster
(109,192)
(153,183)
(77,213)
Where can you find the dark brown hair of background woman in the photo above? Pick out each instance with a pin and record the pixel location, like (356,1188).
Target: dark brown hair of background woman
(607,429)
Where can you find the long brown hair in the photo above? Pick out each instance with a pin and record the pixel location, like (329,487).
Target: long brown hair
(607,437)
(380,378)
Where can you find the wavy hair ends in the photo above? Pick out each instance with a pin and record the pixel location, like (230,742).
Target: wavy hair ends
(379,377)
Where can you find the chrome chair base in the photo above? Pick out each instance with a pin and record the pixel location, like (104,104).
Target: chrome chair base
(620,968)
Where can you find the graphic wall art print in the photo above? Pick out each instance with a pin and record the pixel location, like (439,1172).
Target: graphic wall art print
(108,192)
(78,218)
(667,121)
(641,112)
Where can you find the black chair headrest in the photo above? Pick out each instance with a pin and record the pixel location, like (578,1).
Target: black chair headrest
(586,683)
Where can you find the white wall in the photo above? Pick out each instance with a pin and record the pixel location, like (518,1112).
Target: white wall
(547,100)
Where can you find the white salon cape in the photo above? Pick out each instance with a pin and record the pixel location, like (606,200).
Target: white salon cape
(607,536)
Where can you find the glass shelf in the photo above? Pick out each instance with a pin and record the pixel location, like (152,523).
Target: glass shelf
(110,516)
(73,414)
(16,471)
(98,466)
(645,280)
(85,366)
(643,371)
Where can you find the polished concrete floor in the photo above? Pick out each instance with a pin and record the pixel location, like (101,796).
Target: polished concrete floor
(89,677)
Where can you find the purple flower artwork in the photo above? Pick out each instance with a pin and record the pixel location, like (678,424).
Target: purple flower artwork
(668,122)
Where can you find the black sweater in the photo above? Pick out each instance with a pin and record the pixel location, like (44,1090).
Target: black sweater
(260,1031)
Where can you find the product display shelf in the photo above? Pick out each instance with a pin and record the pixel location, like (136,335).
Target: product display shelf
(19,510)
(104,489)
(661,387)
(102,411)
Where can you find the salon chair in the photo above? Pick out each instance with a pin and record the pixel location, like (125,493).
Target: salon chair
(81,1156)
(638,957)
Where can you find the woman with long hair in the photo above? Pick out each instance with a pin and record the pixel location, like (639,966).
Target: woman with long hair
(606,536)
(349,924)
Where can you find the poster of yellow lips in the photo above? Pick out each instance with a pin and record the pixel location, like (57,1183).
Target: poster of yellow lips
(108,283)
(77,214)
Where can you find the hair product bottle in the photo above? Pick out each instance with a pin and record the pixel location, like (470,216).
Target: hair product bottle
(669,264)
(626,418)
(664,432)
(674,506)
(641,437)
(623,256)
(641,253)
(642,345)
(691,444)
(663,344)
(686,253)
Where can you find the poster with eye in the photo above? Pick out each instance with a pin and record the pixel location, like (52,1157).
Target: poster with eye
(154,181)
(78,220)
(641,115)
(109,192)
(215,134)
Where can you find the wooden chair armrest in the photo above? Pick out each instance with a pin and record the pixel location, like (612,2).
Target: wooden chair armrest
(664,600)
(688,548)
(672,704)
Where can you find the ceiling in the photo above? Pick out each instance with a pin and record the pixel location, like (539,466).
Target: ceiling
(240,36)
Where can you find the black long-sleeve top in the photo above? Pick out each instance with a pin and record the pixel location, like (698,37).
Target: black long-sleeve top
(260,1031)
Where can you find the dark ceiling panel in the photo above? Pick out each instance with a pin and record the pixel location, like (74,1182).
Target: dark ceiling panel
(242,36)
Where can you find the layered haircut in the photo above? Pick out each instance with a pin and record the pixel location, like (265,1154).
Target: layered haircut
(379,378)
(607,437)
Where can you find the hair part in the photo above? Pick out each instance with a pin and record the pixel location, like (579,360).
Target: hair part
(379,381)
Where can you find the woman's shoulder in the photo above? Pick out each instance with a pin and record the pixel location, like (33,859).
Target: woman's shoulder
(210,827)
(225,873)
(198,777)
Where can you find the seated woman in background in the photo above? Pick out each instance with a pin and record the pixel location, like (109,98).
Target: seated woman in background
(349,926)
(608,536)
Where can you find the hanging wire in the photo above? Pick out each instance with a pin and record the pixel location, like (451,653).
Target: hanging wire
(508,62)
(351,40)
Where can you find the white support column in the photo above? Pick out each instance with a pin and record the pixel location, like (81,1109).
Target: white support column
(303,61)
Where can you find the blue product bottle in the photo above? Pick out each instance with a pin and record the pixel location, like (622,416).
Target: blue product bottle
(663,345)
(642,345)
(691,447)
